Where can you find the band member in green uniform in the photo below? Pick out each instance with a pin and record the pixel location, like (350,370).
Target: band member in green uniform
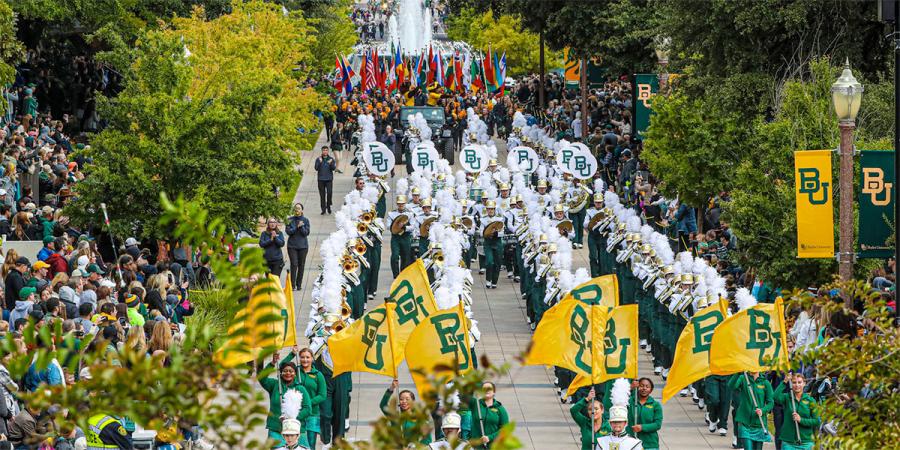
(488,416)
(800,419)
(493,246)
(401,236)
(756,401)
(404,404)
(645,415)
(596,243)
(590,421)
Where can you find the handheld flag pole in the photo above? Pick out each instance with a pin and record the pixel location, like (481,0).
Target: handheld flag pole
(793,406)
(112,241)
(591,406)
(755,404)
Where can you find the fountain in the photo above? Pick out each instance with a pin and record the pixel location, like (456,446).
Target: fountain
(410,25)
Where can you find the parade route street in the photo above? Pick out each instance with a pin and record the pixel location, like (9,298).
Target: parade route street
(528,393)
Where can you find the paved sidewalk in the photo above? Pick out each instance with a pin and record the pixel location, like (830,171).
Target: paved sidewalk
(542,422)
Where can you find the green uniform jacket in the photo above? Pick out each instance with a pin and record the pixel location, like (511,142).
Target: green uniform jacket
(276,390)
(314,383)
(408,425)
(762,391)
(581,417)
(809,420)
(488,421)
(649,417)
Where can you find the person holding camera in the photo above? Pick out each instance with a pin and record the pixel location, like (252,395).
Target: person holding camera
(272,240)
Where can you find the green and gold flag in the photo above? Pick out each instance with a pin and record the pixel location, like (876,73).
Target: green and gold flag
(439,346)
(752,340)
(691,361)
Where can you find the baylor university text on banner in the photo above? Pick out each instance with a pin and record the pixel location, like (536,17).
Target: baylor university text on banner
(815,213)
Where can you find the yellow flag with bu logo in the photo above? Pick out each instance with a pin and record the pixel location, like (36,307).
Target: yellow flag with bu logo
(439,346)
(266,321)
(375,343)
(691,362)
(752,340)
(815,212)
(602,290)
(569,335)
(619,353)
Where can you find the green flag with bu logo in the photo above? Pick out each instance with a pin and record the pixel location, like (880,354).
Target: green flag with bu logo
(876,203)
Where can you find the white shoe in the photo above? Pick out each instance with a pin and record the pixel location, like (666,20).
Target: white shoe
(347,424)
(694,396)
(683,393)
(487,285)
(509,274)
(533,326)
(371,296)
(657,370)
(517,279)
(326,446)
(665,373)
(712,425)
(481,271)
(701,404)
(556,383)
(722,431)
(649,348)
(643,343)
(734,443)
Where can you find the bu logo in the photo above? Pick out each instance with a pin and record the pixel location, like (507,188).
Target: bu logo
(424,160)
(810,186)
(582,166)
(566,155)
(704,325)
(645,91)
(611,345)
(472,160)
(762,337)
(379,163)
(525,157)
(451,337)
(409,306)
(579,325)
(590,294)
(873,184)
(373,341)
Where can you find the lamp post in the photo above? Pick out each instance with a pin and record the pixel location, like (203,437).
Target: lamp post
(662,57)
(846,94)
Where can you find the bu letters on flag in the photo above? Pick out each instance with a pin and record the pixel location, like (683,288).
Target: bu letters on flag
(691,361)
(815,212)
(752,340)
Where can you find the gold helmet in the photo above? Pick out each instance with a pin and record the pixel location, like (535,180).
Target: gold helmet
(646,249)
(668,270)
(504,187)
(598,198)
(518,198)
(687,278)
(543,238)
(426,202)
(441,177)
(415,191)
(491,204)
(558,208)
(551,248)
(542,184)
(492,163)
(401,199)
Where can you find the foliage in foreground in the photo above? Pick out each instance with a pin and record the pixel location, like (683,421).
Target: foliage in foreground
(866,402)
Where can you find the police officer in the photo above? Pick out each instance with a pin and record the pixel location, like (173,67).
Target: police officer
(401,241)
(107,432)
(492,245)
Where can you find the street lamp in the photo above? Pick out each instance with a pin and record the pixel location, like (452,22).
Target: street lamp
(662,57)
(846,94)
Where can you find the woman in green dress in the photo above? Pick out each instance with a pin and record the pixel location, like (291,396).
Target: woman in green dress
(590,421)
(277,388)
(314,382)
(488,415)
(405,401)
(800,419)
(755,402)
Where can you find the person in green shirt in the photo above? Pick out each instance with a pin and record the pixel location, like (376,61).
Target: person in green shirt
(590,422)
(406,398)
(314,383)
(277,388)
(488,416)
(645,414)
(755,402)
(800,419)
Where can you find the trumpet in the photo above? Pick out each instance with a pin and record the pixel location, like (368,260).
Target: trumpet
(346,310)
(367,217)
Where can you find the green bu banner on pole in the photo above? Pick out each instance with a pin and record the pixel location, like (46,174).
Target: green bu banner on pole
(876,203)
(645,87)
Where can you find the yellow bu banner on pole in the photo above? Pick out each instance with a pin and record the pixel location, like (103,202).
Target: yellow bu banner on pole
(815,211)
(753,340)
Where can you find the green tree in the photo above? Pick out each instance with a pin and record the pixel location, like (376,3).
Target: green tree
(218,127)
(10,49)
(503,34)
(335,33)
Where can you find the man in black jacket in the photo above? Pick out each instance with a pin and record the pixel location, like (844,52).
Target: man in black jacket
(298,245)
(15,281)
(325,166)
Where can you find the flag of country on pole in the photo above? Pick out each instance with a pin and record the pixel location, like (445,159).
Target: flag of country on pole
(438,68)
(490,74)
(399,70)
(429,67)
(369,83)
(346,76)
(476,82)
(457,71)
(500,66)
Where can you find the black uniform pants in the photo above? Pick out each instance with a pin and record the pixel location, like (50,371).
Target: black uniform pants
(325,191)
(297,257)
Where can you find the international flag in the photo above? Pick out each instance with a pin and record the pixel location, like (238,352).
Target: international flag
(490,74)
(457,71)
(369,79)
(440,347)
(421,69)
(476,81)
(399,72)
(691,362)
(500,67)
(438,69)
(620,349)
(430,67)
(752,340)
(375,343)
(267,321)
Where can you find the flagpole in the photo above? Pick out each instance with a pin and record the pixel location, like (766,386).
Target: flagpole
(387,315)
(755,404)
(591,406)
(793,406)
